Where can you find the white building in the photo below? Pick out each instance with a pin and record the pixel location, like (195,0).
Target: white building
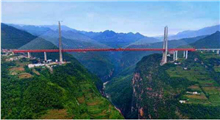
(182,101)
(35,65)
(193,93)
(30,65)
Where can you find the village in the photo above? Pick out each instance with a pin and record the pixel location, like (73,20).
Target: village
(48,63)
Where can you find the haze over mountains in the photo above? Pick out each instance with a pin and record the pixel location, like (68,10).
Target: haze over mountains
(123,72)
(96,62)
(105,64)
(193,33)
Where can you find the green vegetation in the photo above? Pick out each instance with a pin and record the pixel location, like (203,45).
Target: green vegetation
(158,89)
(68,92)
(131,58)
(96,62)
(13,38)
(119,91)
(211,41)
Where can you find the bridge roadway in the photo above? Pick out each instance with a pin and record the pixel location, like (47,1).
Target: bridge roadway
(208,49)
(103,49)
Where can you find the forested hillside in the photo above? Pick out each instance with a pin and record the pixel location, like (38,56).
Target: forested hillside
(211,41)
(98,63)
(158,90)
(12,38)
(131,58)
(68,92)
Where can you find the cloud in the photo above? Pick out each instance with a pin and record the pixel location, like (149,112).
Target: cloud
(148,18)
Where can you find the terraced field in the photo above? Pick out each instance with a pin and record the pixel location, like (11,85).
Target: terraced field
(201,73)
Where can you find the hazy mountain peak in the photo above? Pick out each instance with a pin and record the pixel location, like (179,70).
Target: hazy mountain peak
(109,33)
(194,33)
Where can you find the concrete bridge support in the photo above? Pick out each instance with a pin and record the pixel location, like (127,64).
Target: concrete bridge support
(175,56)
(29,55)
(218,51)
(60,45)
(45,56)
(165,46)
(186,56)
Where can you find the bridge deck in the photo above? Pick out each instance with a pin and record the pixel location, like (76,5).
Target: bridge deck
(105,49)
(209,49)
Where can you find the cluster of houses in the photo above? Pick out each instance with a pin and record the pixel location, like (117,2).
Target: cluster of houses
(15,58)
(6,52)
(45,63)
(11,57)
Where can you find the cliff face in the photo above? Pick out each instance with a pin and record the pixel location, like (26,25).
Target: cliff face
(158,90)
(149,90)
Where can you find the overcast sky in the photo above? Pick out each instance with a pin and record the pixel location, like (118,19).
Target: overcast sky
(145,17)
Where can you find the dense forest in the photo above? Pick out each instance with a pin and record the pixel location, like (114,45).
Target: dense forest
(68,92)
(158,90)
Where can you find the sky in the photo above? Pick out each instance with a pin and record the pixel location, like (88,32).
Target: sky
(146,17)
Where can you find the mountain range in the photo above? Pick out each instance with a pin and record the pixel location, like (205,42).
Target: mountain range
(194,33)
(134,81)
(113,62)
(72,38)
(123,80)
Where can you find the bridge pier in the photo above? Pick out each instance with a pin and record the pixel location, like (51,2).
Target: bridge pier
(45,56)
(218,52)
(176,55)
(165,46)
(29,54)
(186,52)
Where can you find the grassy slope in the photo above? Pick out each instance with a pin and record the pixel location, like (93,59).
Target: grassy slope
(69,92)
